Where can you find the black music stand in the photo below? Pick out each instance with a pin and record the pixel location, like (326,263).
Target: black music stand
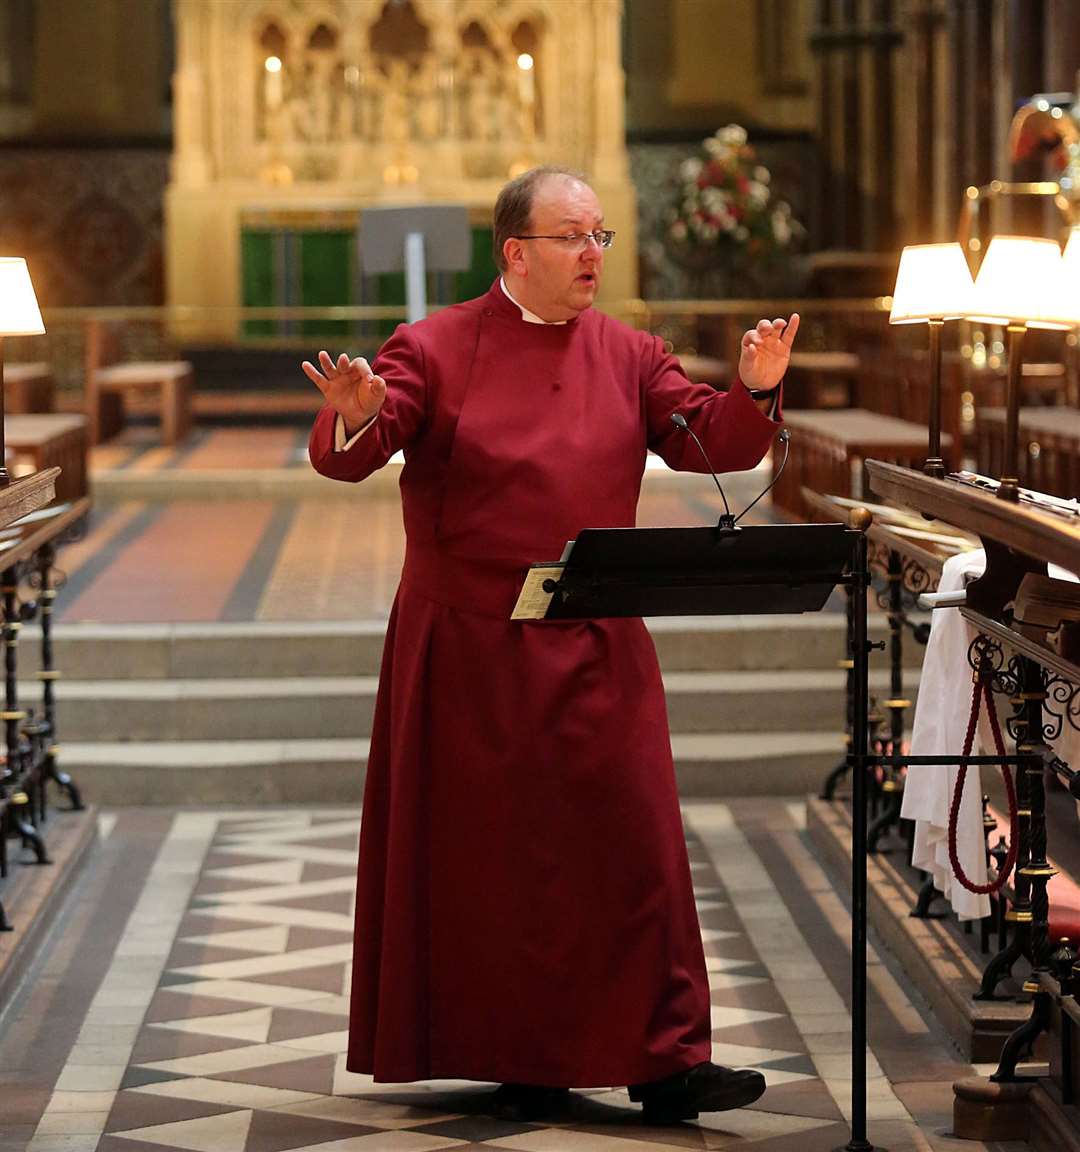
(700,571)
(754,570)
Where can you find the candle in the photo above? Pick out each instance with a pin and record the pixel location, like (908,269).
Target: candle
(526,81)
(273,89)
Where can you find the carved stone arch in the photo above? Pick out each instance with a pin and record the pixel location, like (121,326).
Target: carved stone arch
(424,21)
(325,14)
(536,12)
(248,17)
(479,12)
(430,13)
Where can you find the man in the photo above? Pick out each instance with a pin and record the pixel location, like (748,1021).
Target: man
(524,907)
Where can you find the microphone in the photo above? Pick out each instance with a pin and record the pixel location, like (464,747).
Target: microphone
(727,521)
(785,439)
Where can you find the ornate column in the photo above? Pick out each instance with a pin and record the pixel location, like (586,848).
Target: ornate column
(610,163)
(610,166)
(446,45)
(191,157)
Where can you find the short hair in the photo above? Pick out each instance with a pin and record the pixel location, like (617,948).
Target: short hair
(513,208)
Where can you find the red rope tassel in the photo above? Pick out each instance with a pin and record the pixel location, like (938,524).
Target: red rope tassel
(983,688)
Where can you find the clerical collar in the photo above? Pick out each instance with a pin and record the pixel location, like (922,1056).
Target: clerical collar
(526,315)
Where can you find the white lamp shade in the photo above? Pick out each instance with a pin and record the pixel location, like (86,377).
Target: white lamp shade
(1070,277)
(19,315)
(933,282)
(1020,283)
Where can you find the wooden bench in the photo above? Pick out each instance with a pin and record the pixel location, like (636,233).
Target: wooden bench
(821,379)
(36,442)
(29,387)
(706,369)
(829,449)
(165,383)
(897,383)
(1049,456)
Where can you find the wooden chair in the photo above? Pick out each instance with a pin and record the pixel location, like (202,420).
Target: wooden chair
(29,387)
(166,383)
(39,441)
(706,369)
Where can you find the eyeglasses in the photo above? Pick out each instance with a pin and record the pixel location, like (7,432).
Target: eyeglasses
(579,241)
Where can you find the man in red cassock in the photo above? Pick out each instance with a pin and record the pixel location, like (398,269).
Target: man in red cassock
(524,908)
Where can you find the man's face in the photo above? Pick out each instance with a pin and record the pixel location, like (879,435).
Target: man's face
(554,279)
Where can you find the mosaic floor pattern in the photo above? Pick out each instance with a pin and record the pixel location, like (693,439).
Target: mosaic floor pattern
(219,1021)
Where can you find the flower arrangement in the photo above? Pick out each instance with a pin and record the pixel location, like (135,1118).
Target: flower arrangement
(725,204)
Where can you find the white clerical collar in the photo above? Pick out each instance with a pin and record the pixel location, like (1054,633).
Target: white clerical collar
(526,315)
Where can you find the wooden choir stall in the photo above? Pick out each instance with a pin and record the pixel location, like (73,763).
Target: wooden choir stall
(32,528)
(1004,985)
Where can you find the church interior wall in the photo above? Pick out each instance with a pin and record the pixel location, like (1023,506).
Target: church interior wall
(87,125)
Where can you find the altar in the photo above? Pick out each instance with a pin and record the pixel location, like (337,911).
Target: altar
(291,116)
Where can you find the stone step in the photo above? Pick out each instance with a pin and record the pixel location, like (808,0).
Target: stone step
(311,708)
(354,648)
(332,771)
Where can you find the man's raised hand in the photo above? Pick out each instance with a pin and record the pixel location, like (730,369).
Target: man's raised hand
(765,351)
(350,387)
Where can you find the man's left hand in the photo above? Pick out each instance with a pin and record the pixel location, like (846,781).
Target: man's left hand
(765,351)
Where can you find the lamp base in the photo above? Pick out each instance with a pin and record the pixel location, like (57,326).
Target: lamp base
(1008,489)
(934,467)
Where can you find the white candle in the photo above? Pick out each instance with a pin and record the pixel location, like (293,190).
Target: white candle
(526,81)
(273,89)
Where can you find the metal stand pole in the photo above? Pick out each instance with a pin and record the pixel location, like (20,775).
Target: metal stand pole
(860,654)
(5,479)
(934,465)
(1009,488)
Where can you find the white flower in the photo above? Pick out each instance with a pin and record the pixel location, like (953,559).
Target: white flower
(716,148)
(758,193)
(734,135)
(761,174)
(690,169)
(742,234)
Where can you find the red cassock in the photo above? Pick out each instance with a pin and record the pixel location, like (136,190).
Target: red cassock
(524,907)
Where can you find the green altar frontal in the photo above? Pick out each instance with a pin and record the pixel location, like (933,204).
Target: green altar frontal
(312,260)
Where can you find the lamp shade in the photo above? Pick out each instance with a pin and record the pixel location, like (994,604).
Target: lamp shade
(19,315)
(933,282)
(1070,277)
(1020,283)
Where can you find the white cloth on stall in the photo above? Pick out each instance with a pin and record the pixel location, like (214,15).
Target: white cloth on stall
(941,718)
(940,725)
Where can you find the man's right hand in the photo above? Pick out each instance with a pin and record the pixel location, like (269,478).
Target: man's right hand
(350,388)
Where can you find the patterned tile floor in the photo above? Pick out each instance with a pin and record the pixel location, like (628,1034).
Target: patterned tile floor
(194,999)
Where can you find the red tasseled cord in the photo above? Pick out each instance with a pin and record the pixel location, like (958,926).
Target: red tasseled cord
(983,688)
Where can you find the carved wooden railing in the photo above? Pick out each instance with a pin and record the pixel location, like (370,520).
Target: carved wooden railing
(28,589)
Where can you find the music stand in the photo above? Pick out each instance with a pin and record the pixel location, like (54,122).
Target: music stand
(413,240)
(752,570)
(700,571)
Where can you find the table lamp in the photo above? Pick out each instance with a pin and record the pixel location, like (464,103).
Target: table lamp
(933,284)
(19,316)
(1020,286)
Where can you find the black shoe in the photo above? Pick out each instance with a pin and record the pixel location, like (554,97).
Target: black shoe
(703,1088)
(528,1101)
